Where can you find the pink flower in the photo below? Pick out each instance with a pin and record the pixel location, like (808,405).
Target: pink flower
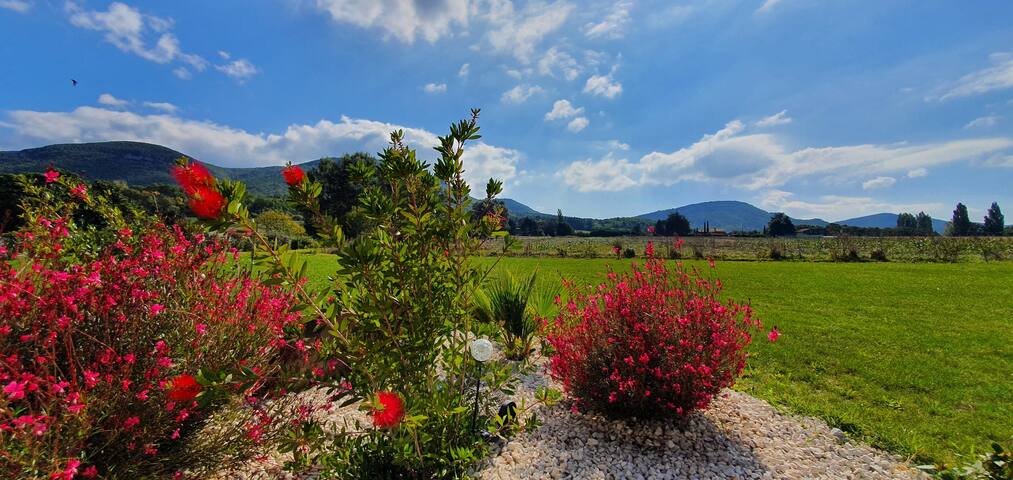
(650,229)
(69,472)
(201,328)
(15,390)
(773,335)
(157,308)
(131,422)
(51,175)
(90,378)
(80,191)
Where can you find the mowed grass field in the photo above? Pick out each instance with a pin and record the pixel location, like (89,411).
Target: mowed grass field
(913,358)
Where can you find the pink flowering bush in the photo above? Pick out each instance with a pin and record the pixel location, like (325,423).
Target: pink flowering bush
(105,356)
(655,342)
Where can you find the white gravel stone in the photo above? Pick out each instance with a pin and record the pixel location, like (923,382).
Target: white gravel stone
(738,437)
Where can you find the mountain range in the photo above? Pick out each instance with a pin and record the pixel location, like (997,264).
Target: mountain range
(143,164)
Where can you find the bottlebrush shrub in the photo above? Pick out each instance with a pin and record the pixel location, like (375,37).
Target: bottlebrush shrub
(655,342)
(397,322)
(104,361)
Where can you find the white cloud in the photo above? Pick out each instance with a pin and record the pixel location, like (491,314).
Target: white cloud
(464,71)
(129,30)
(107,99)
(238,69)
(435,88)
(768,5)
(20,6)
(227,146)
(577,124)
(225,55)
(997,77)
(404,20)
(603,86)
(755,160)
(613,26)
(917,173)
(520,33)
(163,106)
(837,207)
(520,93)
(983,122)
(779,118)
(563,109)
(878,182)
(606,175)
(557,61)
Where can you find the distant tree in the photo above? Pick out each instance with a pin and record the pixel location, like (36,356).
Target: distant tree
(960,224)
(677,224)
(562,229)
(660,228)
(924,222)
(780,225)
(637,229)
(341,190)
(281,223)
(994,220)
(907,224)
(530,227)
(11,193)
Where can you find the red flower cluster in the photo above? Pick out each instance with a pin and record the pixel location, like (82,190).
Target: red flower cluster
(184,388)
(389,411)
(92,352)
(199,186)
(293,174)
(653,342)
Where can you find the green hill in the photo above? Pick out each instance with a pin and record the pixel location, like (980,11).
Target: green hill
(135,163)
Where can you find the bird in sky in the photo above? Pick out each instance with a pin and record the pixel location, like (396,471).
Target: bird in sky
(73,82)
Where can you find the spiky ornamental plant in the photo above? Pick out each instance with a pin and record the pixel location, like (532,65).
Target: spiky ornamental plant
(512,304)
(397,321)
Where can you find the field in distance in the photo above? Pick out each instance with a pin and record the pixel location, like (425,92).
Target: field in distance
(816,249)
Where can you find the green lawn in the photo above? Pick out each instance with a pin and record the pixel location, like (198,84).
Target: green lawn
(913,358)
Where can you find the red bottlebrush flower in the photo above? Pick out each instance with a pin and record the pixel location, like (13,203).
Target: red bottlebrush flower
(51,175)
(650,229)
(184,388)
(774,335)
(193,176)
(390,410)
(293,175)
(207,203)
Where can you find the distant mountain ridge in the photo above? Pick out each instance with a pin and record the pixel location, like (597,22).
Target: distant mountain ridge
(138,163)
(135,163)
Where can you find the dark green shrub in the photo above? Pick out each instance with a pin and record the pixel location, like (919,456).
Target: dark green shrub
(629,253)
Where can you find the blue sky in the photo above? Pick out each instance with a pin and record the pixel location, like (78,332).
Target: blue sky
(602,108)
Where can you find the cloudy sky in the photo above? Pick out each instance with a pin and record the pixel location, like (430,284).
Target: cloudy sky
(602,108)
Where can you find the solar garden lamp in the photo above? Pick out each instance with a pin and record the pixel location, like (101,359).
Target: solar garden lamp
(481,350)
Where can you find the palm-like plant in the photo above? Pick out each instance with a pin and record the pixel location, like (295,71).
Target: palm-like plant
(514,304)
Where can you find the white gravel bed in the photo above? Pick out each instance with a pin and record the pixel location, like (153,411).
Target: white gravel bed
(738,437)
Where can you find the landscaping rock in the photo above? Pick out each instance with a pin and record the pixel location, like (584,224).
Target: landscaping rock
(738,437)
